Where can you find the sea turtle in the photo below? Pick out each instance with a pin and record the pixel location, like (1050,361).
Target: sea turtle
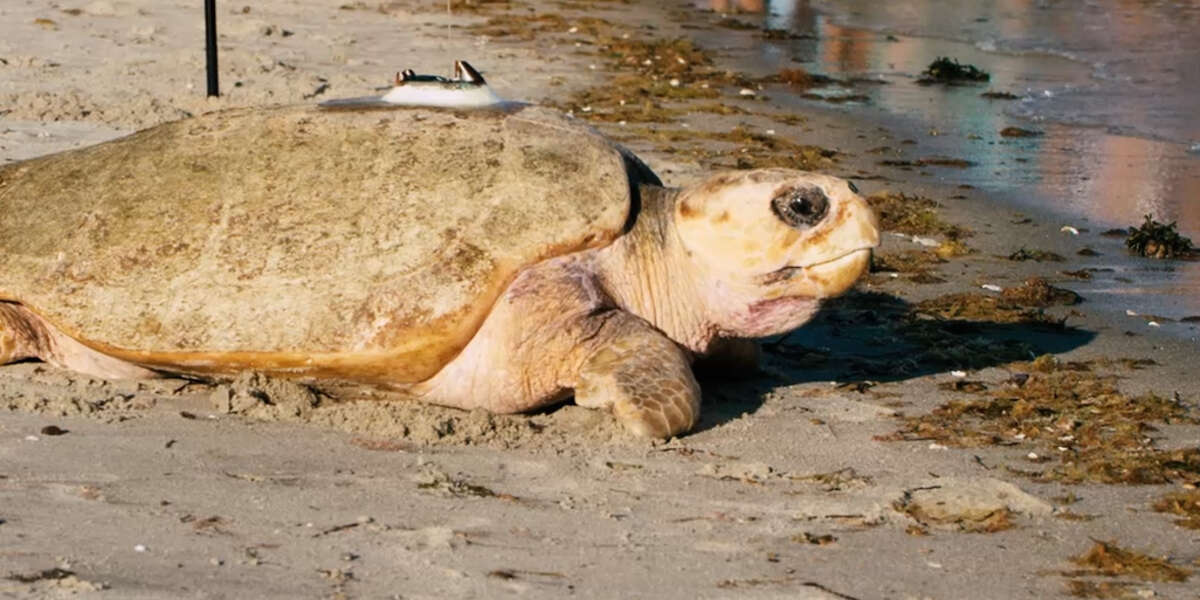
(498,259)
(466,88)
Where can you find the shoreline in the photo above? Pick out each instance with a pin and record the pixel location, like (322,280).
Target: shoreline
(833,474)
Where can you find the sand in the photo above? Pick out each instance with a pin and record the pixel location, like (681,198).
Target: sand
(789,487)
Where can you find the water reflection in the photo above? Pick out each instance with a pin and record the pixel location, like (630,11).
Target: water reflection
(1144,53)
(1116,179)
(733,6)
(794,15)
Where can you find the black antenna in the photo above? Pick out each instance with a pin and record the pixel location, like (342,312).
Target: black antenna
(210,45)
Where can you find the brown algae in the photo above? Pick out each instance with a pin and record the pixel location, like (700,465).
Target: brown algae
(949,71)
(1104,590)
(1185,504)
(1109,559)
(1067,412)
(1158,240)
(1024,254)
(913,215)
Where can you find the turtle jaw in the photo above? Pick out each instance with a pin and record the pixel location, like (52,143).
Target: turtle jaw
(821,279)
(791,295)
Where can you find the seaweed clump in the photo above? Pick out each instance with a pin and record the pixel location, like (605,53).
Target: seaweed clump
(1182,504)
(915,215)
(1116,590)
(476,6)
(522,27)
(1109,559)
(949,70)
(916,265)
(439,482)
(1038,293)
(983,520)
(905,261)
(1019,304)
(912,215)
(1035,255)
(1156,240)
(1064,410)
(660,58)
(660,80)
(638,99)
(800,78)
(654,78)
(994,95)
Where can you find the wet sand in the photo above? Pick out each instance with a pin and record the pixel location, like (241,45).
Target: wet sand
(810,480)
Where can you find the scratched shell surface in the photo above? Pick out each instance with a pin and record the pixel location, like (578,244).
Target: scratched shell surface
(364,244)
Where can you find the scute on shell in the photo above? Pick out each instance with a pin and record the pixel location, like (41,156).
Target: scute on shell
(366,245)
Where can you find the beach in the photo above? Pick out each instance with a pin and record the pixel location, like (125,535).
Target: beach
(989,414)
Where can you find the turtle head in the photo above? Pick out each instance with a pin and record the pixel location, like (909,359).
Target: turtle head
(768,245)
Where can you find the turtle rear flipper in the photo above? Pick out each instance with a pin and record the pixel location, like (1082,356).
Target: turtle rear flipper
(25,336)
(18,337)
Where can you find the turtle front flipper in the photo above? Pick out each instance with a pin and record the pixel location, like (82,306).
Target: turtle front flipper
(646,380)
(18,336)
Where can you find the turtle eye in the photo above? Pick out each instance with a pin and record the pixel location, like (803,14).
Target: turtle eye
(800,206)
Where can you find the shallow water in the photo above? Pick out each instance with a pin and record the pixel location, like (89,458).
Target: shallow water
(1113,86)
(1143,54)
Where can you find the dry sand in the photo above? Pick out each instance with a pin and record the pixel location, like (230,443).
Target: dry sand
(259,488)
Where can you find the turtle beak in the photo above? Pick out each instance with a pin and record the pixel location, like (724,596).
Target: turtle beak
(825,279)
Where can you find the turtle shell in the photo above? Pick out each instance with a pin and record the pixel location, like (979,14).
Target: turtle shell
(365,245)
